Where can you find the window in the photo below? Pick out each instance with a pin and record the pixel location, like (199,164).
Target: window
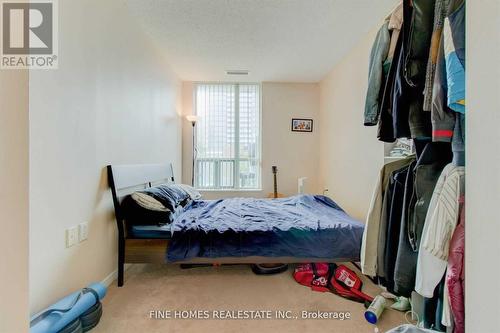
(227,136)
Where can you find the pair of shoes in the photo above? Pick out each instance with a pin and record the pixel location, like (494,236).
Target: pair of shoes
(401,304)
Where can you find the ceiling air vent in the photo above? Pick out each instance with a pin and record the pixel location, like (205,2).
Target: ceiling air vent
(237,72)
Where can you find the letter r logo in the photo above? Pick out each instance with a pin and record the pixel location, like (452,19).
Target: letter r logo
(27,28)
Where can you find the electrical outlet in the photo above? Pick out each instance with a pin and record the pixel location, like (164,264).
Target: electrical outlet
(71,236)
(83,231)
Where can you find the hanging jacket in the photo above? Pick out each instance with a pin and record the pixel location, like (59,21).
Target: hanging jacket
(455,274)
(401,97)
(384,223)
(419,40)
(454,53)
(441,219)
(369,243)
(458,140)
(408,116)
(402,251)
(395,23)
(440,10)
(384,217)
(393,225)
(448,91)
(381,57)
(418,192)
(440,222)
(443,118)
(378,55)
(385,130)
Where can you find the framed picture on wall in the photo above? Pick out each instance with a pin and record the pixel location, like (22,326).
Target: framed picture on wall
(302,125)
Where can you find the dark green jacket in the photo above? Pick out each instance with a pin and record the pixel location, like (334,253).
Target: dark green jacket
(378,55)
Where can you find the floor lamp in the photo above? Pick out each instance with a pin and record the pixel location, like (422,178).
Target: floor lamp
(193,119)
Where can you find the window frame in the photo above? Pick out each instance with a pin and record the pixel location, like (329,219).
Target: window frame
(237,158)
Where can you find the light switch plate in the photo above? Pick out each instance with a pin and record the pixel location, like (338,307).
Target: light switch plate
(83,231)
(71,236)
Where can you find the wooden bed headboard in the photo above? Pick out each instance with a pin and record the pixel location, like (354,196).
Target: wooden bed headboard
(125,179)
(125,176)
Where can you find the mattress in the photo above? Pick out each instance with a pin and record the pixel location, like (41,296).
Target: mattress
(304,227)
(150,231)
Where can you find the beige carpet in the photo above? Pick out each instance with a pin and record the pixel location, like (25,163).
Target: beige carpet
(167,287)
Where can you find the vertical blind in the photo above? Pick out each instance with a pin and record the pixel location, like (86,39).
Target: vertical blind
(227,136)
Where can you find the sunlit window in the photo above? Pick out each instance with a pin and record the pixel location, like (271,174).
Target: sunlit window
(227,136)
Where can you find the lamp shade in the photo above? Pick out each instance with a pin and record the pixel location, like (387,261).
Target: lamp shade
(192,118)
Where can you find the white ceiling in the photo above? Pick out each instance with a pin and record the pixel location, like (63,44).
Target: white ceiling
(276,40)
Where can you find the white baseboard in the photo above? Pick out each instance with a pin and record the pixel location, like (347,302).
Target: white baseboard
(113,276)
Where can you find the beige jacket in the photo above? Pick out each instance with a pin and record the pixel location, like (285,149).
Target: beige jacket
(369,245)
(395,23)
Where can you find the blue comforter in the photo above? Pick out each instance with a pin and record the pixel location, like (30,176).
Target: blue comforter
(303,226)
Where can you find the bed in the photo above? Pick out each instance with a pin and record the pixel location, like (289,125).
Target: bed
(299,227)
(304,228)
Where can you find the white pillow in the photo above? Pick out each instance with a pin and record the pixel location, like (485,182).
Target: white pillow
(193,193)
(148,202)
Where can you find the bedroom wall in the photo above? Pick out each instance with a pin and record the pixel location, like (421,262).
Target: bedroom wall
(350,154)
(295,154)
(482,303)
(14,175)
(113,100)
